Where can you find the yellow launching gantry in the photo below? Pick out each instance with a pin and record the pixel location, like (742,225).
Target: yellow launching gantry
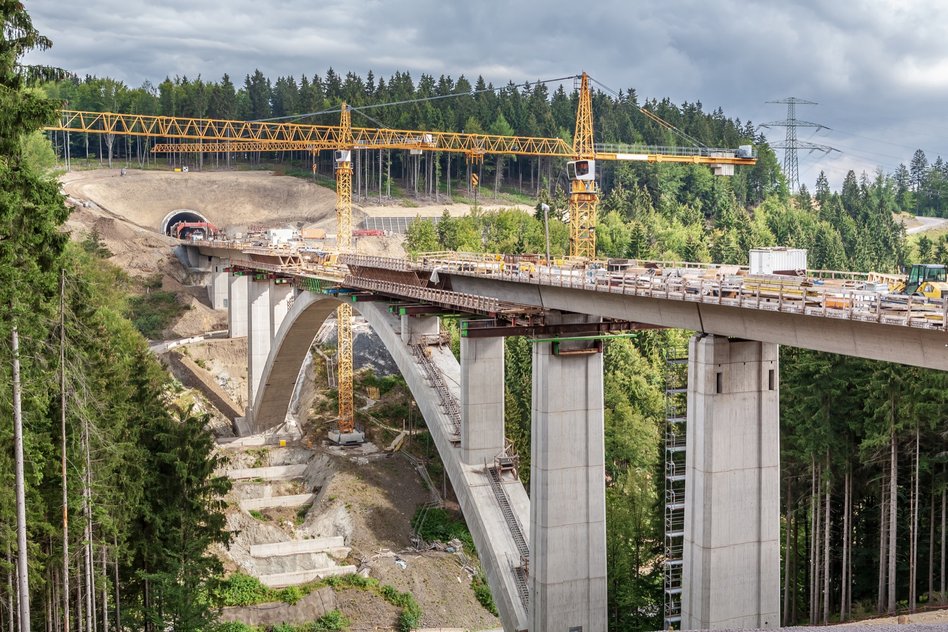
(221,136)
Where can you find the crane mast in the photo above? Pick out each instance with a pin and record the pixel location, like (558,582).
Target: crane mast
(345,431)
(583,193)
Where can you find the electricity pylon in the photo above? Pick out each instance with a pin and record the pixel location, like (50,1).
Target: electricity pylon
(791,169)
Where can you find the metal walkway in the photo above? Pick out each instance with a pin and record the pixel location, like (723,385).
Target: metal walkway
(449,403)
(521,571)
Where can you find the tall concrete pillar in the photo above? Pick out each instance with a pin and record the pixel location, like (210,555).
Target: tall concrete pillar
(414,326)
(482,399)
(219,287)
(237,306)
(280,298)
(258,337)
(731,573)
(567,492)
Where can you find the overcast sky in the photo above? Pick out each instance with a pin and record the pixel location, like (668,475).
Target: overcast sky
(877,68)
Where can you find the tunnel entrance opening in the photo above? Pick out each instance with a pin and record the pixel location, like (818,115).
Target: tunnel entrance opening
(187,224)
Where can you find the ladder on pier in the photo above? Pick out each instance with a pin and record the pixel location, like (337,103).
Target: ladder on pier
(676,411)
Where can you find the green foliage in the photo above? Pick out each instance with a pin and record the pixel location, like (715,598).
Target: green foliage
(441,524)
(482,593)
(154,311)
(332,621)
(235,626)
(242,590)
(421,236)
(256,513)
(93,245)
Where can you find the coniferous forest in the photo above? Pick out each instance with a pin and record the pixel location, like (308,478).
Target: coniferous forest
(863,444)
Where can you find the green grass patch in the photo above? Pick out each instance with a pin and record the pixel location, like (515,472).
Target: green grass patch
(332,621)
(239,589)
(441,524)
(482,593)
(256,513)
(153,312)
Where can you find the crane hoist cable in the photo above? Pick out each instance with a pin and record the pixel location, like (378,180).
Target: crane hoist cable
(654,117)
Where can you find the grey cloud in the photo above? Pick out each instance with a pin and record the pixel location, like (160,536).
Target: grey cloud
(878,68)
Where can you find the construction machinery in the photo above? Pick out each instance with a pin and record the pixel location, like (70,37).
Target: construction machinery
(194,231)
(215,135)
(925,279)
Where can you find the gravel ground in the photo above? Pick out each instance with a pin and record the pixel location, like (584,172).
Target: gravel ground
(881,627)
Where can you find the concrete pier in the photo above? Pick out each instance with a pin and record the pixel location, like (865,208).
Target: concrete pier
(237,306)
(414,327)
(218,288)
(567,492)
(482,399)
(259,336)
(280,298)
(732,529)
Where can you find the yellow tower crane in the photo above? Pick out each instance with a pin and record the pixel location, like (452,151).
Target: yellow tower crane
(345,432)
(583,191)
(216,135)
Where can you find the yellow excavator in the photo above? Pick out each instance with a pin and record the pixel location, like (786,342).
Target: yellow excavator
(924,279)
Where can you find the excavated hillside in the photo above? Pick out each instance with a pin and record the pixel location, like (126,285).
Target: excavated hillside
(308,509)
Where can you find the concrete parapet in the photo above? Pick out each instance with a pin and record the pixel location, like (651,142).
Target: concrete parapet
(731,572)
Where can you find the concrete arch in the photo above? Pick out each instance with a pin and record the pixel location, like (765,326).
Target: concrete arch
(287,352)
(478,503)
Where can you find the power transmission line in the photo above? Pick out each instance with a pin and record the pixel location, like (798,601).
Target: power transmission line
(791,166)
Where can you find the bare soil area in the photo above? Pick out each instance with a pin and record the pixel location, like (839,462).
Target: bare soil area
(231,199)
(436,210)
(929,617)
(368,496)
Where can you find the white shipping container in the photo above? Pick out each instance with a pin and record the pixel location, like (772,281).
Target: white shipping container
(770,260)
(278,236)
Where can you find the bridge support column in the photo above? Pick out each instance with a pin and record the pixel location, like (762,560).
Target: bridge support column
(482,399)
(414,327)
(280,295)
(219,287)
(259,338)
(567,490)
(731,574)
(237,306)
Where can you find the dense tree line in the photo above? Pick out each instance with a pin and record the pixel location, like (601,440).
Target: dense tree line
(102,447)
(527,110)
(863,472)
(855,434)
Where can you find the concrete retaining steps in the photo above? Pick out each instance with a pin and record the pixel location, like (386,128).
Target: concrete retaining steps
(272,473)
(335,546)
(269,502)
(282,580)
